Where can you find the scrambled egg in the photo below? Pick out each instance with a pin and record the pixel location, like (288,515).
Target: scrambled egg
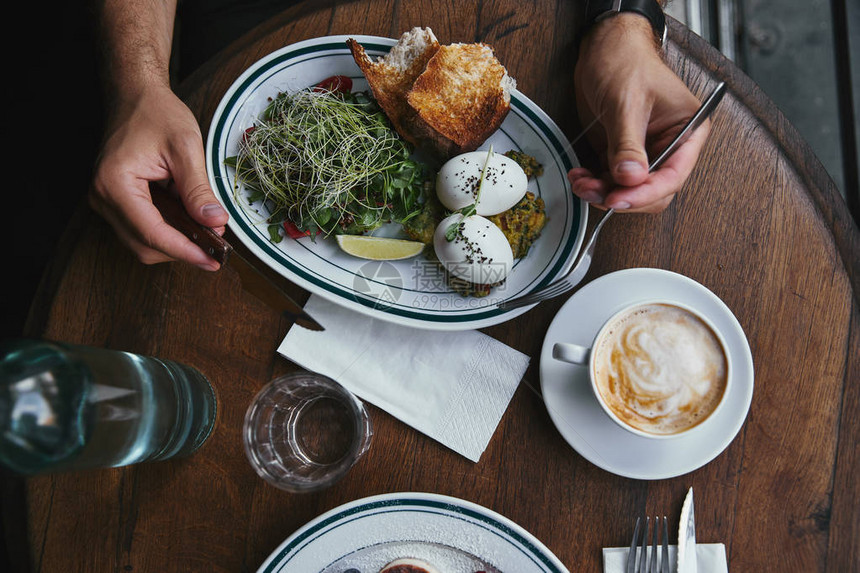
(529,164)
(522,223)
(422,227)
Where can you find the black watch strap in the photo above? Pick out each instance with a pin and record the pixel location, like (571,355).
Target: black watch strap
(597,10)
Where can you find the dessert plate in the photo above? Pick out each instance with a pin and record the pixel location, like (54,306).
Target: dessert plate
(454,535)
(575,411)
(413,291)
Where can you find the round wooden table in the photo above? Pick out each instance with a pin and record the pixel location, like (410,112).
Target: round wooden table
(759,223)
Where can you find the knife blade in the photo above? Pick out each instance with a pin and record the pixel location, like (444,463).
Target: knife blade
(687,537)
(252,279)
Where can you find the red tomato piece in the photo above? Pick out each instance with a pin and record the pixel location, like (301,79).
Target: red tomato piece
(293,231)
(341,84)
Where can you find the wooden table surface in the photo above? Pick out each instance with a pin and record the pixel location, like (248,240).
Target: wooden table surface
(759,223)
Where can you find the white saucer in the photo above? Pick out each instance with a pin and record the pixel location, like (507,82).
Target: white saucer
(574,409)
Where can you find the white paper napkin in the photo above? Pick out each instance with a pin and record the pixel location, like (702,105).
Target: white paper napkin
(710,558)
(451,386)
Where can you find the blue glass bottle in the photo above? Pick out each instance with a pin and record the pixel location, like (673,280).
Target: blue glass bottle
(67,407)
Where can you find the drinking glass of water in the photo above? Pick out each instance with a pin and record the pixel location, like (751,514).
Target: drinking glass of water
(304,431)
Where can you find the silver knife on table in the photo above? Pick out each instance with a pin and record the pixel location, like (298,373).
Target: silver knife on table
(687,537)
(253,280)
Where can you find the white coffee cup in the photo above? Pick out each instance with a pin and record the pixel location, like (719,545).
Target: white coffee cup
(658,368)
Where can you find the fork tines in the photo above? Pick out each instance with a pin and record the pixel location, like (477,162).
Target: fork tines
(642,564)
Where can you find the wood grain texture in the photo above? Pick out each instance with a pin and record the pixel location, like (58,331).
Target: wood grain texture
(759,223)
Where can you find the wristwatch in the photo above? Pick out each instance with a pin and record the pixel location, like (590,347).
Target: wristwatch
(597,10)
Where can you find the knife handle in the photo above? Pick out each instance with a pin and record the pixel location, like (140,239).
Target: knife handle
(176,216)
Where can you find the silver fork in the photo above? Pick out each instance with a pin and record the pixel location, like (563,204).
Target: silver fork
(578,272)
(643,564)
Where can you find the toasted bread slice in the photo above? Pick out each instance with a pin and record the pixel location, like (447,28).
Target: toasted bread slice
(463,95)
(392,76)
(446,99)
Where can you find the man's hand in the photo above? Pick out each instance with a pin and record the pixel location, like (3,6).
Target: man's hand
(151,137)
(154,138)
(639,104)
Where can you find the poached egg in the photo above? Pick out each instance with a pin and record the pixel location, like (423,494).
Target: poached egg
(478,251)
(458,180)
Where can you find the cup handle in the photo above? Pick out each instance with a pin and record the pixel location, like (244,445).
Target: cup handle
(572,353)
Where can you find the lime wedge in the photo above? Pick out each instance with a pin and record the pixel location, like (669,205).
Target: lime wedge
(379,248)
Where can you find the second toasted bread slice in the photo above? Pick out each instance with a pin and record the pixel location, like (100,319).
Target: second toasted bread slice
(392,76)
(464,94)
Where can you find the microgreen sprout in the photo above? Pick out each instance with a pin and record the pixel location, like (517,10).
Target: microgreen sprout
(328,162)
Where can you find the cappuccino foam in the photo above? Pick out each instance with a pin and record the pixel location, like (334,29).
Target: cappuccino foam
(660,369)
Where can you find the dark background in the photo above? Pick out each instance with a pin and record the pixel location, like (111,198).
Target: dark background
(55,127)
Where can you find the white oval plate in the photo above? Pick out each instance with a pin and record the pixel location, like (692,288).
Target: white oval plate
(410,292)
(455,535)
(574,409)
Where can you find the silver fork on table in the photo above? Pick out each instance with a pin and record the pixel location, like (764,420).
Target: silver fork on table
(643,564)
(578,272)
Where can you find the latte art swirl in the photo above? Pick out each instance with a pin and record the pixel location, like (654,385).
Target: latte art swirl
(660,369)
